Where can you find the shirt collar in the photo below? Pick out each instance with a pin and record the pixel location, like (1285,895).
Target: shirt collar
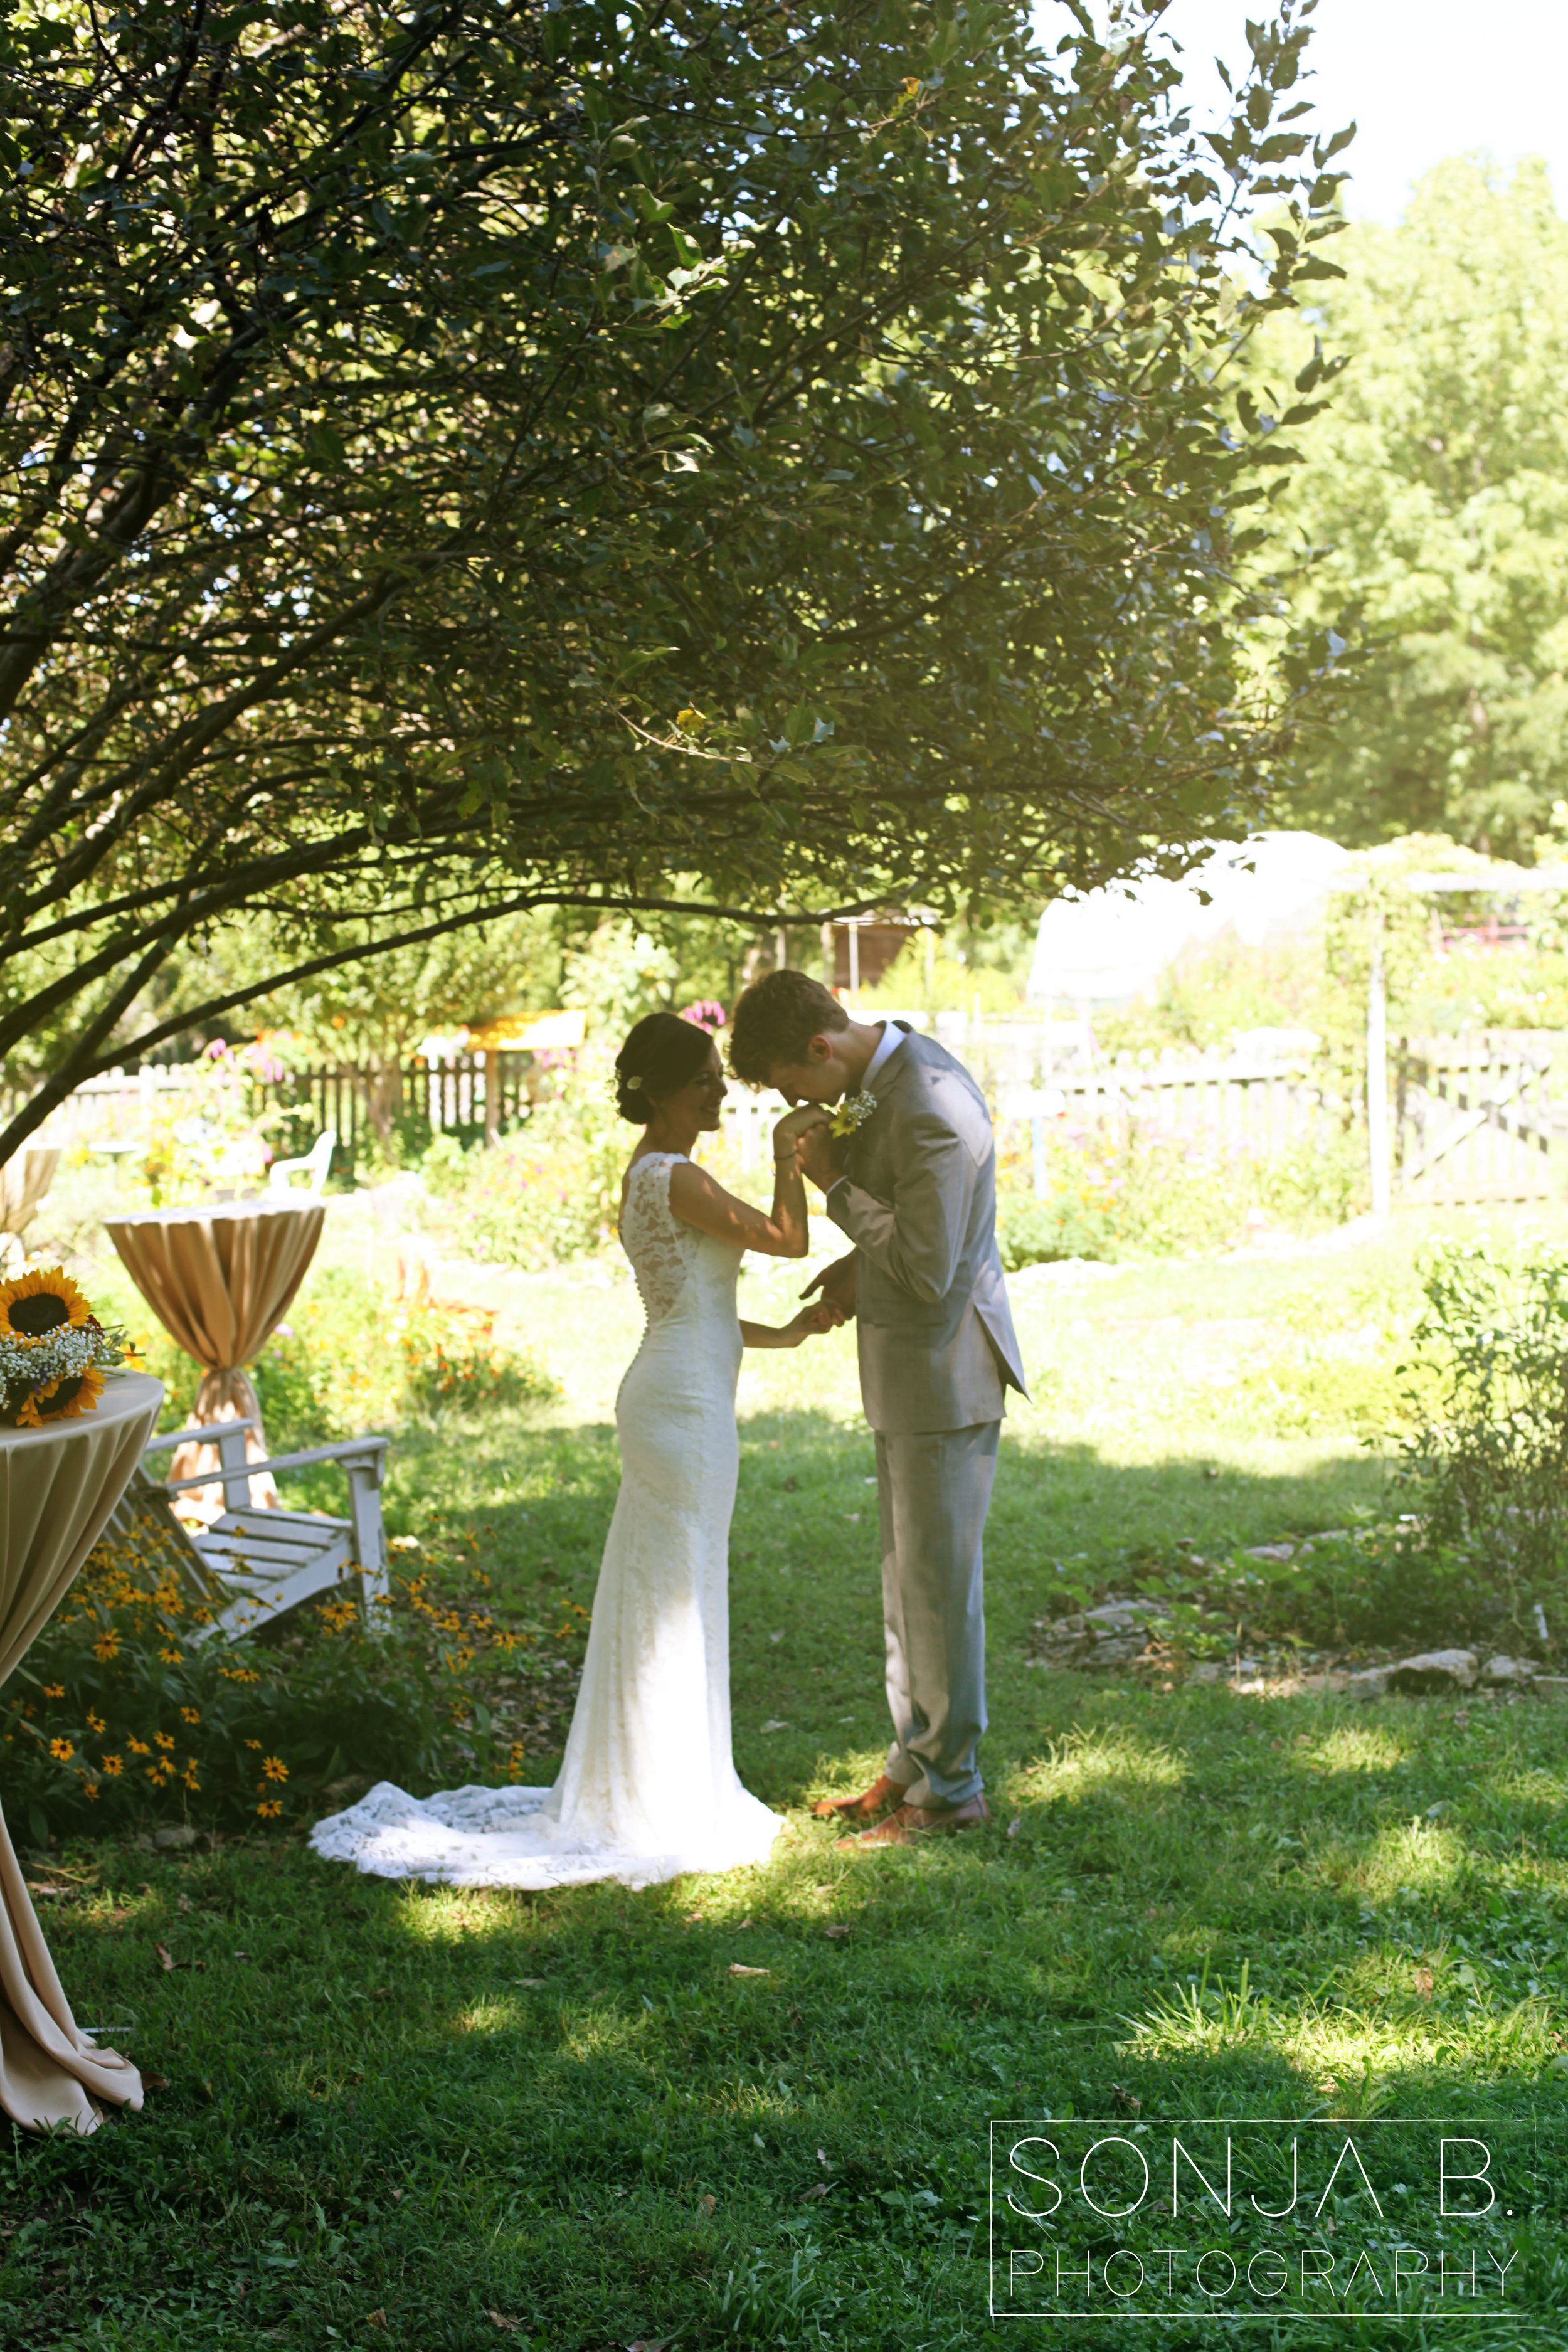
(888,1045)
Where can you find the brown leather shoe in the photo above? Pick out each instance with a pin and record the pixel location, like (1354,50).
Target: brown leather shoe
(911,1822)
(868,1806)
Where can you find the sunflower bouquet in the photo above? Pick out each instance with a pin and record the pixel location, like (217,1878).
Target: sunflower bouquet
(53,1351)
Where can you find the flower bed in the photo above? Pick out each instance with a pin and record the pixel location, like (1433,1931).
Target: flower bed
(121,1713)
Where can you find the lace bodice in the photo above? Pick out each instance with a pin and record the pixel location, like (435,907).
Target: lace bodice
(662,1249)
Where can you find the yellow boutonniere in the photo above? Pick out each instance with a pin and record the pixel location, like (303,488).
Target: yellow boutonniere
(852,1114)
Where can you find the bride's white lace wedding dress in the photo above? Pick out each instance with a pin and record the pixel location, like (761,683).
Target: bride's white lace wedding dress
(648,1788)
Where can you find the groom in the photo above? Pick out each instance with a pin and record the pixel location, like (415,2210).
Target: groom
(915,1189)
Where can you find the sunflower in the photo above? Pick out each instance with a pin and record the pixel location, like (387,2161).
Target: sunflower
(62,1400)
(39,1303)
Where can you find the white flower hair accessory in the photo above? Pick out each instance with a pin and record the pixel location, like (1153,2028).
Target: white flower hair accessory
(852,1113)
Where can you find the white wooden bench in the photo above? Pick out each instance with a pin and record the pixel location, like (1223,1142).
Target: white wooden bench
(252,1564)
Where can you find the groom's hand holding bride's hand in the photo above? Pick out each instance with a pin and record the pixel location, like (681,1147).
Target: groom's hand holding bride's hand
(792,1132)
(836,1284)
(810,1321)
(821,1153)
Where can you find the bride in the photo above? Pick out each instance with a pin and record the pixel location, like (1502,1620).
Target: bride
(648,1787)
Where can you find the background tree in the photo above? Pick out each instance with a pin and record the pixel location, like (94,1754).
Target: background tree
(1435,489)
(495,455)
(369,1015)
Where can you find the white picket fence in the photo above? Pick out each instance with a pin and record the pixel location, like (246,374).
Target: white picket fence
(1473,1117)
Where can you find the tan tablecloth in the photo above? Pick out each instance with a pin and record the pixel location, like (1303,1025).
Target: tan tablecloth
(220,1280)
(58,1487)
(24,1181)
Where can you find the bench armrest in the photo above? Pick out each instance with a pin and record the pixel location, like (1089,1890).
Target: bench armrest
(203,1434)
(366,1453)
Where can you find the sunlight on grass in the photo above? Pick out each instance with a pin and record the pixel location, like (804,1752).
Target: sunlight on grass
(1345,2051)
(495,2016)
(1529,1786)
(1355,1748)
(1419,1854)
(1087,1761)
(446,1914)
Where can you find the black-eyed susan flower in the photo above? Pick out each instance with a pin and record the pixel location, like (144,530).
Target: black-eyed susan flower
(137,1746)
(112,1766)
(274,1769)
(190,1713)
(54,1690)
(164,1738)
(269,1809)
(62,1749)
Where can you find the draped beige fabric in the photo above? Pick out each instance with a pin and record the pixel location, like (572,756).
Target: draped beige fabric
(58,1486)
(24,1181)
(220,1280)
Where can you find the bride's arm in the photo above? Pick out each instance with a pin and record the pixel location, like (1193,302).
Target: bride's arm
(782,1232)
(790,1335)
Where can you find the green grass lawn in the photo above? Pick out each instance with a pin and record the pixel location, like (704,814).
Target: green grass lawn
(434,2118)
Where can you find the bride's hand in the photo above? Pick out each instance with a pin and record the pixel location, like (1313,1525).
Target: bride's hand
(810,1321)
(795,1124)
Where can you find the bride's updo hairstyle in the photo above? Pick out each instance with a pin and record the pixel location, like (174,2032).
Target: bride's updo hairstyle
(662,1054)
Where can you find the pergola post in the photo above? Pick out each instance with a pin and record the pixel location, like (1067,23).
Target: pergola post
(1378,1077)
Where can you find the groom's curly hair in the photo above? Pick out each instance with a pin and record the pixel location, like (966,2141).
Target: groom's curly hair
(774,1021)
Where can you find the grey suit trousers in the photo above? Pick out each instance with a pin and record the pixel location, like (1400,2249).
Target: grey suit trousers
(934,1488)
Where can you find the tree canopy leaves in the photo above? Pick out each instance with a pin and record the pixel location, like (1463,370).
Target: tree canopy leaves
(1435,492)
(499,453)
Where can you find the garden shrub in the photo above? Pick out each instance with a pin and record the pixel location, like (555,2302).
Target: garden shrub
(549,1193)
(120,1715)
(1145,1192)
(349,1360)
(1484,1457)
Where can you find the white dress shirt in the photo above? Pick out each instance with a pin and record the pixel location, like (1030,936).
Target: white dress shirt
(888,1045)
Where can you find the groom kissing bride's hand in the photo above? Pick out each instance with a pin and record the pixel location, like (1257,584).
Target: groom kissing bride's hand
(906,1166)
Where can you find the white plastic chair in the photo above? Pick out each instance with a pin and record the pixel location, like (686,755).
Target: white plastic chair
(315,1164)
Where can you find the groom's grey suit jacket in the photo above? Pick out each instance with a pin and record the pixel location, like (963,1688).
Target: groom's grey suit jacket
(919,1201)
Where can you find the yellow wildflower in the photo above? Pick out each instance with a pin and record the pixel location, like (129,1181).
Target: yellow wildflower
(113,1766)
(190,1714)
(170,1657)
(137,1746)
(54,1690)
(95,1722)
(274,1769)
(62,1749)
(164,1738)
(270,1811)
